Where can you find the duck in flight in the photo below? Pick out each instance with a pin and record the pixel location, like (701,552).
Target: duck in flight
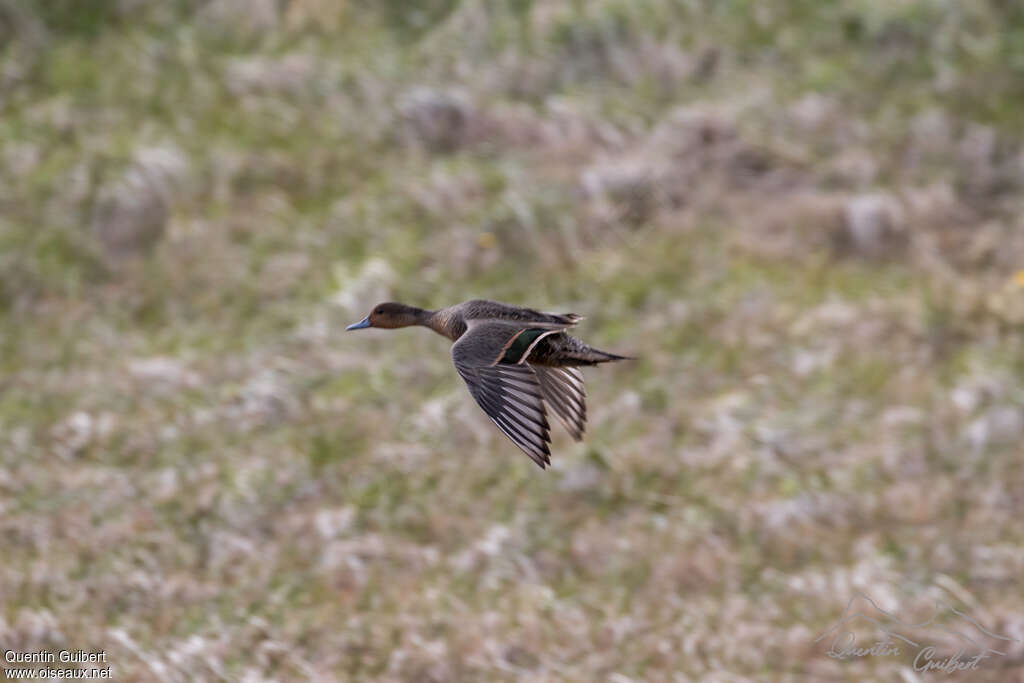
(516,362)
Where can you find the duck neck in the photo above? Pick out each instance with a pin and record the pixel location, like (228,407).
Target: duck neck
(416,316)
(442,322)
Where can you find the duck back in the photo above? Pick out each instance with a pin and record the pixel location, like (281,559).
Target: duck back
(483,308)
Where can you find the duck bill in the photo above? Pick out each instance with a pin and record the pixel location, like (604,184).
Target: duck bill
(365,322)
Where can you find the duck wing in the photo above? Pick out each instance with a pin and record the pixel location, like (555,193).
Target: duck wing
(489,356)
(562,389)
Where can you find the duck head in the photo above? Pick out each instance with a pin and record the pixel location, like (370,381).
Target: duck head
(391,315)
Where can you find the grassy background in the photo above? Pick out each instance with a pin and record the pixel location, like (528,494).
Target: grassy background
(804,217)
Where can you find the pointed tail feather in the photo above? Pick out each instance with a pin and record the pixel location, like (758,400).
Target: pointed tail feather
(608,357)
(592,356)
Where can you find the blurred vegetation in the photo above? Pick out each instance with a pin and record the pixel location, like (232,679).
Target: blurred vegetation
(804,217)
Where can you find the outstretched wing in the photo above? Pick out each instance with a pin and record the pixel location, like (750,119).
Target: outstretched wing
(509,393)
(562,389)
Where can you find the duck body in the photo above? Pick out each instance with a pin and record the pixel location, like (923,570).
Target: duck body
(516,362)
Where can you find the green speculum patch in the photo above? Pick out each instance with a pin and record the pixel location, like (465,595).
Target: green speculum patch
(521,344)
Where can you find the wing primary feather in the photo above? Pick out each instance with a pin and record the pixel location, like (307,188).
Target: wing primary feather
(496,403)
(563,392)
(572,397)
(540,457)
(574,384)
(521,427)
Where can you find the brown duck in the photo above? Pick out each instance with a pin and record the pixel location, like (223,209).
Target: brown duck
(514,360)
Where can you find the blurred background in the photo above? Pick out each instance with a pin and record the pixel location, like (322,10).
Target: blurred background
(804,217)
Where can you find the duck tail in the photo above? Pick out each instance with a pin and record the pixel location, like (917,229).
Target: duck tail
(588,355)
(609,357)
(561,350)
